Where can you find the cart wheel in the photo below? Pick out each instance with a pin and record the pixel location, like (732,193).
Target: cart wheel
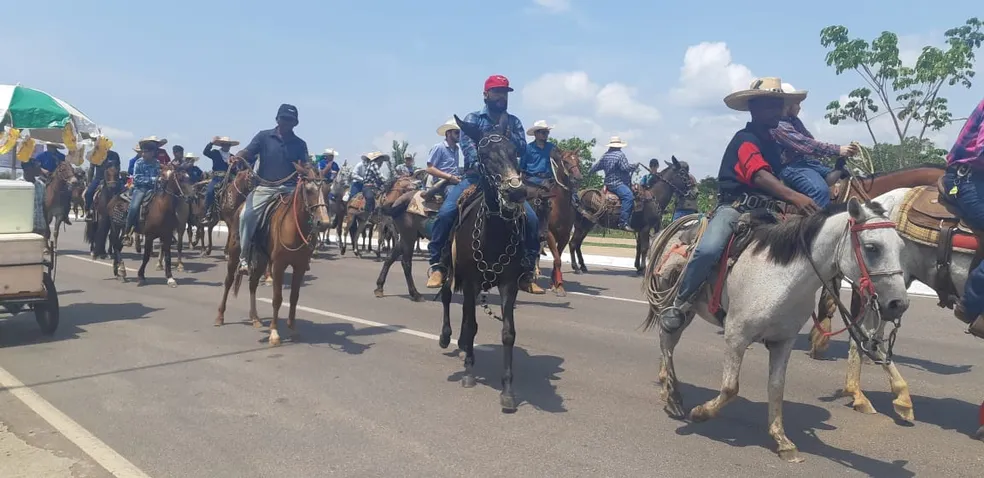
(46,313)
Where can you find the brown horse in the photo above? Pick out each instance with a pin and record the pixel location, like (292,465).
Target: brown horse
(560,220)
(97,230)
(78,194)
(865,188)
(647,216)
(58,197)
(289,240)
(408,226)
(160,222)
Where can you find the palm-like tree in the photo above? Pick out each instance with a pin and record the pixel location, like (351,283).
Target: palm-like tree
(399,149)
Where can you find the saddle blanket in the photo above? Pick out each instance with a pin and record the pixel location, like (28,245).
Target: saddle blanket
(421,207)
(919,230)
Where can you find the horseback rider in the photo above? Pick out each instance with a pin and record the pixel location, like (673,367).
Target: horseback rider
(618,178)
(327,165)
(98,173)
(406,168)
(535,163)
(648,177)
(47,161)
(358,176)
(188,161)
(146,172)
(964,183)
(746,180)
(277,149)
(442,160)
(802,171)
(496,94)
(220,167)
(686,204)
(377,174)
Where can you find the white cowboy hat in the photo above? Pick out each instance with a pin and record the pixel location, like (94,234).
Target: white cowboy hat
(541,124)
(798,95)
(768,87)
(616,142)
(330,152)
(374,155)
(224,140)
(150,139)
(190,157)
(451,125)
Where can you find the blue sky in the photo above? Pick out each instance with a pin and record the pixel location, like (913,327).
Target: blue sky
(364,73)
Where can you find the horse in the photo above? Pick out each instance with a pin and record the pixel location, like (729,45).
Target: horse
(160,222)
(647,217)
(768,295)
(865,188)
(487,249)
(58,198)
(97,231)
(920,262)
(336,206)
(560,219)
(286,236)
(408,226)
(78,193)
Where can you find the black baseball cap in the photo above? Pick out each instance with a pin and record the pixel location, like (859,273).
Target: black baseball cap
(287,111)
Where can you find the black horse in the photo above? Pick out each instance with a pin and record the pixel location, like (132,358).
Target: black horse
(487,248)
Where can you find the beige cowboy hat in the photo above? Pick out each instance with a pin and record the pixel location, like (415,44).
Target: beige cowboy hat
(450,125)
(797,95)
(330,152)
(190,157)
(225,140)
(374,155)
(616,142)
(150,139)
(768,87)
(541,124)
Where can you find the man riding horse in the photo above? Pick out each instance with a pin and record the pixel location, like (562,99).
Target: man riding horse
(99,172)
(327,165)
(746,180)
(442,161)
(535,165)
(496,94)
(220,167)
(146,172)
(46,162)
(618,178)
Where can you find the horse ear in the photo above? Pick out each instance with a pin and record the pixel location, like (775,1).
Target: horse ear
(854,209)
(668,163)
(675,162)
(469,129)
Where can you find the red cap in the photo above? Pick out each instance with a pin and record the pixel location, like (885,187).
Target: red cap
(497,81)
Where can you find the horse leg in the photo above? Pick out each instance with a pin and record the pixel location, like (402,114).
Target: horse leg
(827,307)
(116,244)
(381,280)
(268,275)
(556,276)
(469,328)
(296,281)
(581,231)
(446,318)
(160,256)
(667,377)
(254,282)
(208,251)
(508,293)
(642,246)
(148,247)
(54,241)
(736,345)
(232,268)
(166,251)
(779,352)
(278,297)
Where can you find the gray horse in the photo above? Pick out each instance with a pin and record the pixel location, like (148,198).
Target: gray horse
(771,290)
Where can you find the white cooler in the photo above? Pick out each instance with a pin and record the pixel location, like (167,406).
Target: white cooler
(16,206)
(21,266)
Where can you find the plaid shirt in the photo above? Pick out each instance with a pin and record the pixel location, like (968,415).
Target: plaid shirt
(481,119)
(796,142)
(617,169)
(969,147)
(145,173)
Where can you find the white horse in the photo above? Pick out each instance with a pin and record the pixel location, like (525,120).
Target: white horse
(919,263)
(770,293)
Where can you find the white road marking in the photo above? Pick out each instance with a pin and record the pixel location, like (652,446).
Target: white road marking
(82,438)
(609,297)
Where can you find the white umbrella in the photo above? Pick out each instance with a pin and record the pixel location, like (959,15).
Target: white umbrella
(41,113)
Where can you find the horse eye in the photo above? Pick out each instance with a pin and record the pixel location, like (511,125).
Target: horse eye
(871,248)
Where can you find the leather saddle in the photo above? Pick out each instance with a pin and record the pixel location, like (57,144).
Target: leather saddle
(144,204)
(602,200)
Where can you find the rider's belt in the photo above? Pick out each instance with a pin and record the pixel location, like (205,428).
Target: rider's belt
(750,201)
(218,174)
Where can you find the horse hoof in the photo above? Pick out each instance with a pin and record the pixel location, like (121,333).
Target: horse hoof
(792,455)
(181,268)
(159,267)
(980,433)
(417,298)
(699,414)
(445,341)
(584,269)
(274,341)
(378,293)
(560,292)
(674,409)
(141,281)
(904,412)
(468,381)
(219,321)
(257,323)
(508,403)
(172,283)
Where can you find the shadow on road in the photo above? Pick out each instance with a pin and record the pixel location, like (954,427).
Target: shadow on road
(533,376)
(22,329)
(336,336)
(838,350)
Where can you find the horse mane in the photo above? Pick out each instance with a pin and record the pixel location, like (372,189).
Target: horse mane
(793,238)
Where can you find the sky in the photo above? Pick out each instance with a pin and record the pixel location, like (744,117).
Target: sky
(365,73)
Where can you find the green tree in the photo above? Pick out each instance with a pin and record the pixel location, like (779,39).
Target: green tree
(583,148)
(399,149)
(707,190)
(911,97)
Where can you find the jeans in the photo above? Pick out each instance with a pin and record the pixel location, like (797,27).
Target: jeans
(682,212)
(370,194)
(355,189)
(970,201)
(708,252)
(249,218)
(210,193)
(624,194)
(133,213)
(809,177)
(448,213)
(90,191)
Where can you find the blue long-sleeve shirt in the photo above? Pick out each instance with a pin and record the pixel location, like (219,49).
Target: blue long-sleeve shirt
(145,173)
(617,169)
(219,158)
(485,123)
(133,163)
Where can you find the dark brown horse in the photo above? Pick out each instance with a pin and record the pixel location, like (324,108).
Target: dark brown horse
(78,194)
(865,188)
(58,197)
(647,216)
(409,226)
(160,222)
(561,217)
(289,240)
(487,249)
(97,230)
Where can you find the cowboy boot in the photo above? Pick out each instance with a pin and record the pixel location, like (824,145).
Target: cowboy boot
(436,279)
(528,284)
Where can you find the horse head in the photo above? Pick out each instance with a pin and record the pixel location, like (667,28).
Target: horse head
(341,181)
(111,176)
(65,174)
(571,166)
(497,161)
(872,257)
(676,174)
(176,181)
(311,190)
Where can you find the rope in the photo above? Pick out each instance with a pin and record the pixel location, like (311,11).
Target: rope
(663,298)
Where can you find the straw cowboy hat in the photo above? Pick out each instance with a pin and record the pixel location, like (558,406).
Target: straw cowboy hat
(616,142)
(150,139)
(191,157)
(541,124)
(769,87)
(224,140)
(451,125)
(372,156)
(330,152)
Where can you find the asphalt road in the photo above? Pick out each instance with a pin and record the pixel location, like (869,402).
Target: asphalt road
(367,392)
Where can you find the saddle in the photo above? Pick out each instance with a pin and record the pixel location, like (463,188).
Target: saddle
(261,235)
(601,201)
(927,217)
(421,206)
(144,205)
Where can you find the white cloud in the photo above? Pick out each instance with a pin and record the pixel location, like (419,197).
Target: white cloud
(708,75)
(616,100)
(557,92)
(116,134)
(384,142)
(554,6)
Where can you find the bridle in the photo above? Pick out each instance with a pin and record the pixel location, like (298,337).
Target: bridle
(302,181)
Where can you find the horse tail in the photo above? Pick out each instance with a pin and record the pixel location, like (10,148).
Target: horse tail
(236,283)
(90,232)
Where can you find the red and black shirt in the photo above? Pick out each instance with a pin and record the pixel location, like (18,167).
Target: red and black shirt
(750,151)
